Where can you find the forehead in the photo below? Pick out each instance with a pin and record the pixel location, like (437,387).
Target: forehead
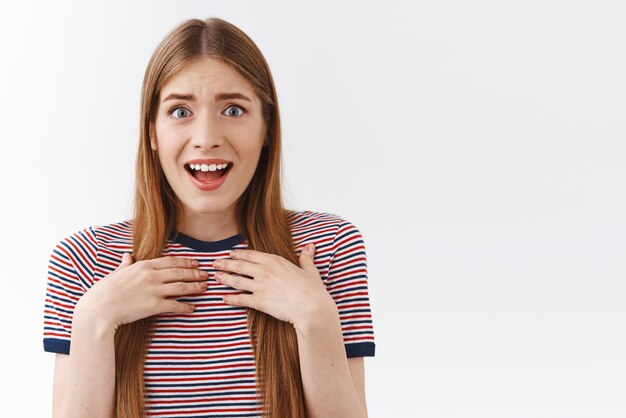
(207,76)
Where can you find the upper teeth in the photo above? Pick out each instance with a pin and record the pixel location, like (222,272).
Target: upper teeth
(208,167)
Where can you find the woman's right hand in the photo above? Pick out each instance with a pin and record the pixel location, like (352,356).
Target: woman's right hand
(137,290)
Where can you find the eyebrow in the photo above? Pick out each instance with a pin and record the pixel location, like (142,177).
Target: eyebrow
(219,96)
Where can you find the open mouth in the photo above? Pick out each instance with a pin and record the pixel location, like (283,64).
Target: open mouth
(208,172)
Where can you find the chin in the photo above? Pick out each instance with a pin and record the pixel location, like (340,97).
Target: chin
(208,208)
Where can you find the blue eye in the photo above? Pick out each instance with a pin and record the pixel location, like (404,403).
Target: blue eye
(175,109)
(236,107)
(230,113)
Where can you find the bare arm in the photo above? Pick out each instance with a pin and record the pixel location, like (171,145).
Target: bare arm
(89,381)
(61,362)
(329,388)
(357,370)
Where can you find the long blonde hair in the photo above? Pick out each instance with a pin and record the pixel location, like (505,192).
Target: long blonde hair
(261,217)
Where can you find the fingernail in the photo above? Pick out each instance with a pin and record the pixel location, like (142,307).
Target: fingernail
(311,247)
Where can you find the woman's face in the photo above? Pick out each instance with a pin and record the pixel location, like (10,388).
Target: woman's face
(208,124)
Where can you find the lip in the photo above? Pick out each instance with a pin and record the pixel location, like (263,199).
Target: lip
(208,185)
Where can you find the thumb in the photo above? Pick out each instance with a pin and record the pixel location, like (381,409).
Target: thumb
(127,260)
(306,257)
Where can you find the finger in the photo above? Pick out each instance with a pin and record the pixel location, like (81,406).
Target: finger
(253,256)
(182,288)
(237,282)
(174,306)
(180,274)
(307,257)
(240,300)
(127,260)
(241,267)
(171,262)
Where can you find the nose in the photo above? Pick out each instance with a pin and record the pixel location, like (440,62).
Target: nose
(207,132)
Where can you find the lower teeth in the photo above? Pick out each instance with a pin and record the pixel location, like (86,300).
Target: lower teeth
(196,173)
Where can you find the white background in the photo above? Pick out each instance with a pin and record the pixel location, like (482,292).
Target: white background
(478,146)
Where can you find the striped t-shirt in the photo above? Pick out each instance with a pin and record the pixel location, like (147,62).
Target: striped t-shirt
(201,364)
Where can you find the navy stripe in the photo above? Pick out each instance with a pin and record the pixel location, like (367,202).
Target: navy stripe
(164,332)
(197,363)
(196,395)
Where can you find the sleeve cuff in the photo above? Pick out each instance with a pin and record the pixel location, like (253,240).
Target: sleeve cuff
(55,345)
(366,349)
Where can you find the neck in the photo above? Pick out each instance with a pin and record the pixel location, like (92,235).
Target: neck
(209,226)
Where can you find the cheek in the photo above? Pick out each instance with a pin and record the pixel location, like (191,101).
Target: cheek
(168,162)
(251,155)
(165,155)
(167,145)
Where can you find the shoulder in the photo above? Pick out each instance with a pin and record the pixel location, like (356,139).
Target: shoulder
(113,234)
(83,247)
(309,222)
(301,218)
(307,219)
(325,229)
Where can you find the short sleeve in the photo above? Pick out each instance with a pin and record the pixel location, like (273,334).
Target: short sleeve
(70,275)
(347,283)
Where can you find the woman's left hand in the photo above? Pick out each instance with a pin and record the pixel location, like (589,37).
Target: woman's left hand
(278,287)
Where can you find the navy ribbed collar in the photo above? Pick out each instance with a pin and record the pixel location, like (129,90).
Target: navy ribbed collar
(206,246)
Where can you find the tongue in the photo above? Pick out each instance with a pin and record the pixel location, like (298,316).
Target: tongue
(208,175)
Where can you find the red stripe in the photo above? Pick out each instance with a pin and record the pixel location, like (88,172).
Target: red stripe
(201,400)
(351,295)
(55,257)
(64,295)
(348,262)
(54,334)
(346,316)
(61,284)
(201,326)
(149,379)
(357,327)
(201,411)
(348,273)
(354,305)
(348,284)
(196,357)
(351,249)
(194,368)
(200,347)
(211,388)
(87,245)
(191,337)
(76,264)
(365,337)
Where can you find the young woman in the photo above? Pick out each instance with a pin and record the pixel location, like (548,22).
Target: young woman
(210,301)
